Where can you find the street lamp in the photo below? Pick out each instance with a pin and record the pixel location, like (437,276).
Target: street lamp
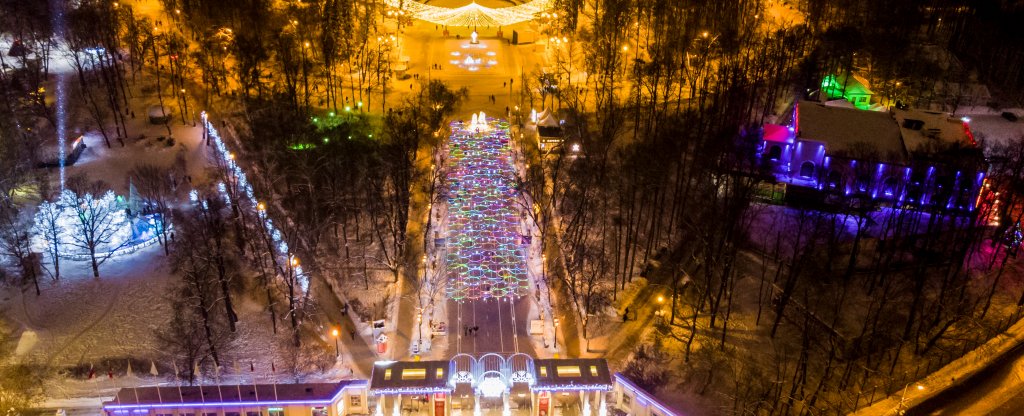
(337,348)
(899,407)
(556,333)
(184,99)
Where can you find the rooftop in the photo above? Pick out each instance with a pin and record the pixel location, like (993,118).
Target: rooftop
(230,394)
(931,131)
(576,372)
(851,132)
(424,376)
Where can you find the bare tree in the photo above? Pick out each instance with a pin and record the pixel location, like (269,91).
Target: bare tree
(98,224)
(158,189)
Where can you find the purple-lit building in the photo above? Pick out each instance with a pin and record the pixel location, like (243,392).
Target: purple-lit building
(491,384)
(905,158)
(307,399)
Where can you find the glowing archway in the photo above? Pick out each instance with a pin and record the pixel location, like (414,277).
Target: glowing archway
(472,14)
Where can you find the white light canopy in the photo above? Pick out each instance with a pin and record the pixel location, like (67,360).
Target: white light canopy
(472,14)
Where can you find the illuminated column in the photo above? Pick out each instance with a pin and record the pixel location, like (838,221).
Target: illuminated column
(396,410)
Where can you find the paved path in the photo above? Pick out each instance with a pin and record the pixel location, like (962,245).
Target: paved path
(485,257)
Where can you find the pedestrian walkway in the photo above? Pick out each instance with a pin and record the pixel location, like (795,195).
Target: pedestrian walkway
(945,389)
(485,255)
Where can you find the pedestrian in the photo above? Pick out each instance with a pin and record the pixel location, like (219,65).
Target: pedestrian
(172,236)
(352,334)
(504,84)
(133,114)
(625,315)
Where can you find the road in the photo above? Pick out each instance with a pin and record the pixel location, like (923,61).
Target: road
(501,330)
(997,390)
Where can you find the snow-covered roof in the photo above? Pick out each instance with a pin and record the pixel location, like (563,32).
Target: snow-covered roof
(229,394)
(930,131)
(850,132)
(410,376)
(582,373)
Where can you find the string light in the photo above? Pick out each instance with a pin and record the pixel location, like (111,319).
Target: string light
(241,183)
(483,255)
(471,14)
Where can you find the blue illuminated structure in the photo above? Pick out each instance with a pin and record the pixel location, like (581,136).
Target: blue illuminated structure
(902,158)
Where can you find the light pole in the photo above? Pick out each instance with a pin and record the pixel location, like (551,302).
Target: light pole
(899,407)
(337,347)
(556,334)
(184,99)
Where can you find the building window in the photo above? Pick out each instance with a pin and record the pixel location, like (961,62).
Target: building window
(543,371)
(275,411)
(834,180)
(439,374)
(912,124)
(889,186)
(807,169)
(862,183)
(212,414)
(232,414)
(414,374)
(253,413)
(387,374)
(774,152)
(568,371)
(319,411)
(593,371)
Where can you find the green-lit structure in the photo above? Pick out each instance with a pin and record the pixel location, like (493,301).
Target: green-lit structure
(851,87)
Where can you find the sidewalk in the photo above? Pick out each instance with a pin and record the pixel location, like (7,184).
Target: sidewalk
(356,351)
(628,334)
(955,375)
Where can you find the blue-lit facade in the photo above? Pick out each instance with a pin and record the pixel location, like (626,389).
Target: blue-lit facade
(878,166)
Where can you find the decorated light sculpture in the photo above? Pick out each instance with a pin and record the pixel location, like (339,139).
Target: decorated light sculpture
(472,15)
(484,257)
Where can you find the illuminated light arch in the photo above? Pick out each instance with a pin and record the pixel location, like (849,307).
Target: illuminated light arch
(472,14)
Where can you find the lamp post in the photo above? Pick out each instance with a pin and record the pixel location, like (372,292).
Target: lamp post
(899,407)
(184,99)
(337,347)
(556,334)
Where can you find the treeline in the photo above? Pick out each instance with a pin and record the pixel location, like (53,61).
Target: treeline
(775,310)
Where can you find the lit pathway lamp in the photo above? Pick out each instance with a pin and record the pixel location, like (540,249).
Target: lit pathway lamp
(556,334)
(337,347)
(900,410)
